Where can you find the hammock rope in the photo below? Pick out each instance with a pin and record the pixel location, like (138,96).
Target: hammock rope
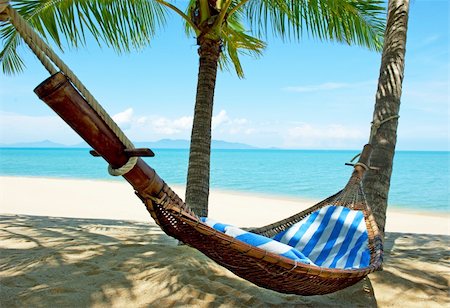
(48,57)
(376,124)
(124,169)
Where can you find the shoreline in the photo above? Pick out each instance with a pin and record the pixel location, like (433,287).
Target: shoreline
(48,193)
(180,189)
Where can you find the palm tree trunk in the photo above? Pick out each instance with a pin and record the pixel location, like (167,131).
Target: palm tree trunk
(387,106)
(197,187)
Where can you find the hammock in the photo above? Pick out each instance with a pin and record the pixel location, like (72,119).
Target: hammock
(326,248)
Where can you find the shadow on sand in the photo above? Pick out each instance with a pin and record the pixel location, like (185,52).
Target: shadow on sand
(71,262)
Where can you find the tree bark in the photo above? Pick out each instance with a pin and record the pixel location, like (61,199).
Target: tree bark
(387,105)
(197,187)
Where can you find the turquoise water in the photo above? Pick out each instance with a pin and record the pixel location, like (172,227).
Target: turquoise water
(420,180)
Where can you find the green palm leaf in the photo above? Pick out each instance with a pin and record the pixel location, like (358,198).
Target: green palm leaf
(125,25)
(237,42)
(120,24)
(348,21)
(11,61)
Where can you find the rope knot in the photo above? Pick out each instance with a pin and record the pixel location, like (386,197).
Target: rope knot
(124,169)
(377,123)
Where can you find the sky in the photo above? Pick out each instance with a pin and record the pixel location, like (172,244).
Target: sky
(298,95)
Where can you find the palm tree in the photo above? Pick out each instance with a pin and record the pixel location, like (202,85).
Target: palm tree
(387,106)
(221,36)
(218,27)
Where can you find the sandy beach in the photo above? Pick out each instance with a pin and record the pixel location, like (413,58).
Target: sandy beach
(75,243)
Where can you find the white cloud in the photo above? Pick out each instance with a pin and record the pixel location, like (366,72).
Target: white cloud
(158,125)
(167,126)
(328,86)
(428,96)
(223,125)
(219,119)
(306,135)
(430,40)
(141,120)
(124,118)
(250,131)
(23,128)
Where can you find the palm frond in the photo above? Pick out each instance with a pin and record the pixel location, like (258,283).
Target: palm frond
(349,21)
(189,12)
(10,60)
(120,24)
(237,42)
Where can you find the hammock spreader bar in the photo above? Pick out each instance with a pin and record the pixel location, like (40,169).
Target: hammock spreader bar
(61,96)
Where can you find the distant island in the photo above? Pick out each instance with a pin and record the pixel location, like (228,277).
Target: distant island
(160,144)
(37,144)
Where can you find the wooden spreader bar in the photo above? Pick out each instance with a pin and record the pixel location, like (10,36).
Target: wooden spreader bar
(61,96)
(140,152)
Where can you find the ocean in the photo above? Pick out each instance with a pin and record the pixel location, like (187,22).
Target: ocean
(420,180)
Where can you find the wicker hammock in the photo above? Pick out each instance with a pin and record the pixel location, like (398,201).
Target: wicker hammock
(67,96)
(263,268)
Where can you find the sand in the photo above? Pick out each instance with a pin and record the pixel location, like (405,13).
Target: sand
(75,243)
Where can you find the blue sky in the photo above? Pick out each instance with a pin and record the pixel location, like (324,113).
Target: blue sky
(307,95)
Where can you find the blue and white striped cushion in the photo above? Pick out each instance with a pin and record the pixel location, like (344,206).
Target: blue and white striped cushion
(259,241)
(333,237)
